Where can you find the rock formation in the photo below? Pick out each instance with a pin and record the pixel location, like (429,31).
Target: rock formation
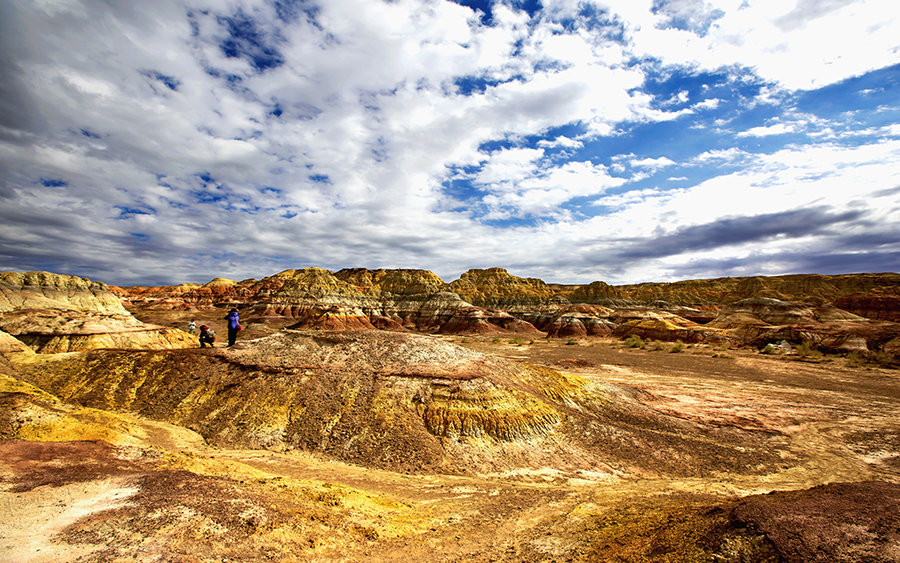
(45,290)
(828,312)
(807,288)
(496,288)
(663,326)
(56,313)
(392,400)
(760,321)
(878,304)
(350,299)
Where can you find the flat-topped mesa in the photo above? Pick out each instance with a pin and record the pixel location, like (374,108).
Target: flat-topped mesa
(57,313)
(496,288)
(807,288)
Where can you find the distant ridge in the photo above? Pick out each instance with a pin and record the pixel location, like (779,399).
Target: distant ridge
(840,313)
(496,287)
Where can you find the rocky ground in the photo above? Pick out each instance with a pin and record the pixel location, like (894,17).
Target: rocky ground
(565,449)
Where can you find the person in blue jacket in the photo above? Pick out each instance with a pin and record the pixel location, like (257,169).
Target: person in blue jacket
(233,326)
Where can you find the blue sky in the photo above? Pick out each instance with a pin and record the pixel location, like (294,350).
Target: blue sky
(570,140)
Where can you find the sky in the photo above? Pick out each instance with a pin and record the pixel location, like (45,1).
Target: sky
(172,141)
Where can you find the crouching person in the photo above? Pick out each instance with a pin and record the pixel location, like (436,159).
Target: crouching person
(207,336)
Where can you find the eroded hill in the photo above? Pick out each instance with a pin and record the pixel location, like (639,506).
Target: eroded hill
(401,402)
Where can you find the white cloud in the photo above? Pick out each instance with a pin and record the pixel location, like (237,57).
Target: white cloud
(561,141)
(520,184)
(838,178)
(337,154)
(711,103)
(724,155)
(509,165)
(653,163)
(764,131)
(792,43)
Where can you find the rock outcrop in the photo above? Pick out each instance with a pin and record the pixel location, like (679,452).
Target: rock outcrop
(9,344)
(663,326)
(760,321)
(398,401)
(806,288)
(496,288)
(351,299)
(55,313)
(829,311)
(879,304)
(597,292)
(392,282)
(45,290)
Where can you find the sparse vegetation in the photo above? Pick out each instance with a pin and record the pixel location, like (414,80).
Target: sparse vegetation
(883,359)
(807,352)
(571,342)
(515,341)
(855,359)
(677,347)
(496,340)
(805,349)
(634,341)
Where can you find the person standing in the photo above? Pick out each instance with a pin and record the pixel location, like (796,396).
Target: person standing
(233,326)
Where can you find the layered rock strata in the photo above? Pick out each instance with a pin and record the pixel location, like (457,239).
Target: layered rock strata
(55,313)
(760,321)
(494,301)
(393,400)
(350,299)
(807,288)
(496,288)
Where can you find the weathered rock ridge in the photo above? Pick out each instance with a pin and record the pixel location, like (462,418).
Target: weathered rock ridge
(854,312)
(56,313)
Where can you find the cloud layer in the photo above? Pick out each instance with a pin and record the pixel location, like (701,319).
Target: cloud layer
(569,140)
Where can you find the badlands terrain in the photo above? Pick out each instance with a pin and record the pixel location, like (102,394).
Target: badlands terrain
(386,415)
